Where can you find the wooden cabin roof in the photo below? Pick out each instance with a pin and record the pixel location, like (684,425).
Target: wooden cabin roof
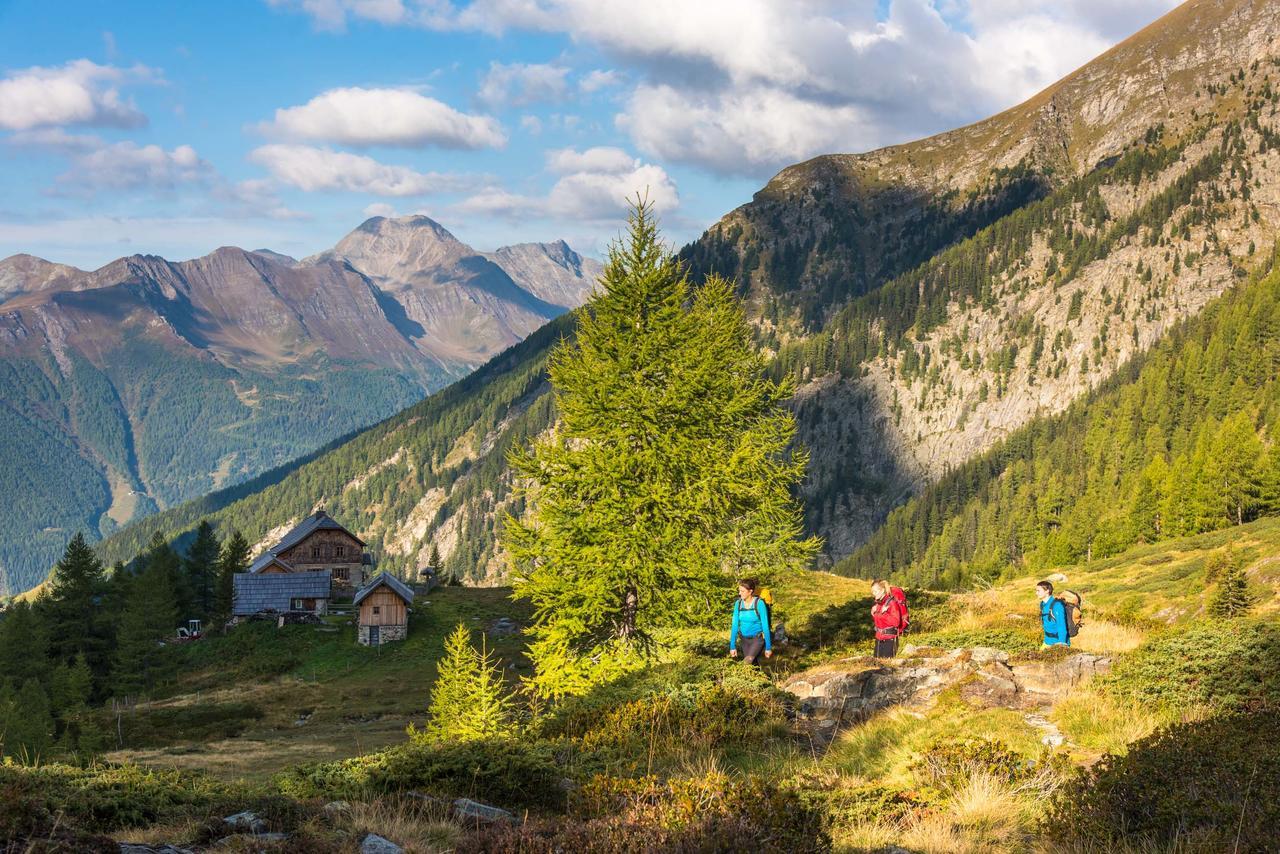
(272,592)
(401,589)
(317,521)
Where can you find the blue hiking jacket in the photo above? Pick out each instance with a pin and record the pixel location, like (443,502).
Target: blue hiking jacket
(750,622)
(1053,617)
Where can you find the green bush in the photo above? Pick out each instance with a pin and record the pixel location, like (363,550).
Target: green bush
(953,760)
(162,726)
(1227,664)
(776,815)
(103,798)
(849,806)
(511,774)
(1210,785)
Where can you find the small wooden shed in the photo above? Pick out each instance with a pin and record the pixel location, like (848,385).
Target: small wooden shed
(384,610)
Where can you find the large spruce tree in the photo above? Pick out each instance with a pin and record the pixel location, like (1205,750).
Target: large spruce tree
(201,567)
(72,606)
(234,558)
(150,614)
(667,476)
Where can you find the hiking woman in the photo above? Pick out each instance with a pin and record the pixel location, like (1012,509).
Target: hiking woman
(889,618)
(750,624)
(1053,616)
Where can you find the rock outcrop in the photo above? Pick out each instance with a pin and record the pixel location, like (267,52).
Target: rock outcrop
(848,691)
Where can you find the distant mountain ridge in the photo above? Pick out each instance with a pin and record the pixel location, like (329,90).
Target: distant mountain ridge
(146,382)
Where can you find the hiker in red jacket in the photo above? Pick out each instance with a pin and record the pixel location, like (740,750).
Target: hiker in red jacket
(889,615)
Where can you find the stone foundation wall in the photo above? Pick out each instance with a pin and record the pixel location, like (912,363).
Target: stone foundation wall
(386,634)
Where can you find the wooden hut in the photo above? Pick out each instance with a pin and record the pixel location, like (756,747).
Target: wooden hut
(384,610)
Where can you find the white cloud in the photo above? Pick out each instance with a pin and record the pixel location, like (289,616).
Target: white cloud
(129,166)
(593,186)
(379,209)
(78,93)
(313,169)
(531,124)
(519,84)
(740,130)
(594,81)
(332,14)
(399,117)
(747,86)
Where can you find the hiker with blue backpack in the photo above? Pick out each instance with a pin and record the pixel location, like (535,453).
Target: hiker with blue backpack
(1059,615)
(750,624)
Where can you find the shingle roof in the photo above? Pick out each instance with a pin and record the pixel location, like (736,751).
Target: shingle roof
(317,521)
(272,592)
(403,590)
(266,559)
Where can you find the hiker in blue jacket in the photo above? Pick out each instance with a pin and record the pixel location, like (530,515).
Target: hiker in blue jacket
(750,624)
(1053,616)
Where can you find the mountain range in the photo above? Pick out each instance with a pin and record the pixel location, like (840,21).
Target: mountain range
(930,300)
(147,382)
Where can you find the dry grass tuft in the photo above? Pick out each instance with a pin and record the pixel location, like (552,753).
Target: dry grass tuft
(1106,638)
(416,829)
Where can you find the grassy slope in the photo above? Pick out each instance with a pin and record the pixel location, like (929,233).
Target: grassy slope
(354,699)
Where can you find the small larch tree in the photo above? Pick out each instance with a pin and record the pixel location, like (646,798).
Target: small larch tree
(669,472)
(1232,598)
(469,700)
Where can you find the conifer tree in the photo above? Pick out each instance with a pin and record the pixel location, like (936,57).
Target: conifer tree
(667,475)
(162,560)
(24,644)
(150,614)
(1234,474)
(27,723)
(1232,598)
(469,699)
(75,618)
(233,559)
(201,566)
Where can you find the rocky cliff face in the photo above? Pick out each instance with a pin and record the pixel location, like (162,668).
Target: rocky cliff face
(552,272)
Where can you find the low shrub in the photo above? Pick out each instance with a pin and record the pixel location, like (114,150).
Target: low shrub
(104,798)
(774,814)
(946,762)
(696,717)
(1226,664)
(165,725)
(512,774)
(1213,784)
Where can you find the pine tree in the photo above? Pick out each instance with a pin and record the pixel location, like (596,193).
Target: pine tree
(233,559)
(201,566)
(162,560)
(24,644)
(75,618)
(27,723)
(1232,598)
(150,614)
(469,699)
(1234,473)
(668,474)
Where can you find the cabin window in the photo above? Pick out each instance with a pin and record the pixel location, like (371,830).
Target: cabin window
(339,551)
(295,605)
(341,573)
(315,551)
(377,610)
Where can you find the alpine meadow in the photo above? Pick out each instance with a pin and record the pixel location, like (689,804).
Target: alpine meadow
(926,501)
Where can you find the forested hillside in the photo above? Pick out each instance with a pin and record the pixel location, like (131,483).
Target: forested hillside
(929,299)
(1180,442)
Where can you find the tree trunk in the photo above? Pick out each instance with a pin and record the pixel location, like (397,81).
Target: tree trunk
(630,608)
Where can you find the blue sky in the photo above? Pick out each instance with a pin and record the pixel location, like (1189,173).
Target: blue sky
(174,128)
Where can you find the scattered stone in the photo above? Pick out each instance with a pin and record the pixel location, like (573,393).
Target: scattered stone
(334,808)
(468,810)
(246,822)
(137,848)
(375,844)
(503,626)
(846,692)
(1057,578)
(1053,736)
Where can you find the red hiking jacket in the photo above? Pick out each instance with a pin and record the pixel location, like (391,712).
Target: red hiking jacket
(887,615)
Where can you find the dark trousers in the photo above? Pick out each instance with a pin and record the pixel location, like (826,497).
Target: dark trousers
(751,648)
(886,648)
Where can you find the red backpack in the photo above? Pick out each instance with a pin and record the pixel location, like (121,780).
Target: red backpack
(901,596)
